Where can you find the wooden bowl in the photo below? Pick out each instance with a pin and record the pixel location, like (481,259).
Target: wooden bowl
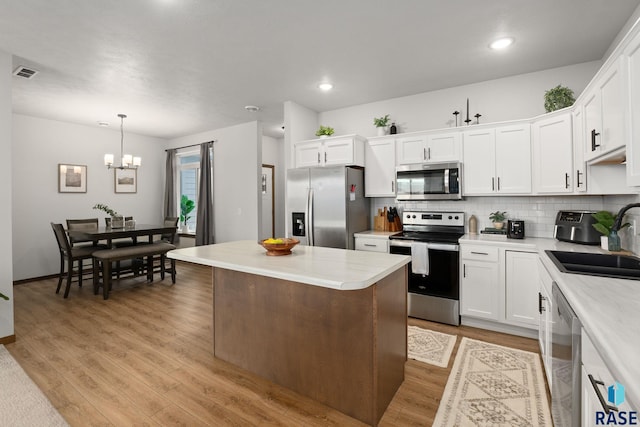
(278,249)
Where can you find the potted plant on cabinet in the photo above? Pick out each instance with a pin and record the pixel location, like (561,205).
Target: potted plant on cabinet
(186,207)
(557,98)
(324,131)
(497,218)
(603,225)
(381,123)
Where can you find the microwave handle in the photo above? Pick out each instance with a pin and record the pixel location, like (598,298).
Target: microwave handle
(446,181)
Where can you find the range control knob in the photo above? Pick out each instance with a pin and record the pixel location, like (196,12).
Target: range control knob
(413,216)
(457,217)
(450,217)
(408,216)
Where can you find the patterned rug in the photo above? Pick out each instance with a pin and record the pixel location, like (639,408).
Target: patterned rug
(21,401)
(430,346)
(491,385)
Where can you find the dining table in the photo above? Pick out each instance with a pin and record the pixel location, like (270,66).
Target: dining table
(108,234)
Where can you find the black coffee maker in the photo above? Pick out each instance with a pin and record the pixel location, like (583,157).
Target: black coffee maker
(515,229)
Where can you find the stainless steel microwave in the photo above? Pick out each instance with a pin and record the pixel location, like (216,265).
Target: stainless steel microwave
(429,181)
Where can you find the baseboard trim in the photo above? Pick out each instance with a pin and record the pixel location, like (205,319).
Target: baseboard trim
(35,279)
(8,340)
(499,327)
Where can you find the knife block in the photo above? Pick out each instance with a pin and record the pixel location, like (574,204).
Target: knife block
(379,223)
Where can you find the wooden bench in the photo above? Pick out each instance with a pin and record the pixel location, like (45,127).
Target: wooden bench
(149,250)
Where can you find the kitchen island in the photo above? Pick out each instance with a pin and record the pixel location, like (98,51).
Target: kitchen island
(330,324)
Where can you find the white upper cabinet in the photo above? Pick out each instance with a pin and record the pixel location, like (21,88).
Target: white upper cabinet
(605,104)
(497,160)
(340,150)
(424,148)
(380,172)
(632,54)
(553,154)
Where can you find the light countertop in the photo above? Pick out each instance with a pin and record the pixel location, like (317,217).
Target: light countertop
(609,309)
(376,234)
(327,267)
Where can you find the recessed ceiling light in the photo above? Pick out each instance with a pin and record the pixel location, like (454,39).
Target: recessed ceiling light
(251,108)
(502,43)
(103,124)
(325,86)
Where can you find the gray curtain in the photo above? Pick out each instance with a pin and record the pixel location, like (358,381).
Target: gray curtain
(204,213)
(170,202)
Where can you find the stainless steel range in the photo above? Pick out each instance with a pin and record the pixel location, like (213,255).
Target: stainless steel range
(431,239)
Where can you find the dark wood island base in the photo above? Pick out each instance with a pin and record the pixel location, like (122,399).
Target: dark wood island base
(344,348)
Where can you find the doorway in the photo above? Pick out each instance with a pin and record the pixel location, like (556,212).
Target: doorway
(268,202)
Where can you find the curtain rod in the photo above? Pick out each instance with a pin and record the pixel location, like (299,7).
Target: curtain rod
(192,145)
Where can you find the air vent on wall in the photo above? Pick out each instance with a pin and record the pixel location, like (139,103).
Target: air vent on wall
(25,72)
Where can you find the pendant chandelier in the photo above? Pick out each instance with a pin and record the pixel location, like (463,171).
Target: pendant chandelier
(127,160)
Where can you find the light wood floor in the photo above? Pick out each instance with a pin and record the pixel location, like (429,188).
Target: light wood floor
(144,357)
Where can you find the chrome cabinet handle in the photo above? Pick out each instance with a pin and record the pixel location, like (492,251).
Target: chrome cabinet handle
(371,245)
(593,140)
(325,157)
(429,153)
(498,183)
(541,307)
(318,157)
(479,253)
(464,270)
(607,408)
(566,180)
(493,184)
(392,186)
(424,154)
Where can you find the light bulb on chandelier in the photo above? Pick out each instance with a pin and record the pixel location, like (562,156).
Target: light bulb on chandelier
(127,160)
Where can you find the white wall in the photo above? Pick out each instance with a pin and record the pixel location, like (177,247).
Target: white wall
(39,145)
(273,154)
(6,276)
(511,98)
(237,160)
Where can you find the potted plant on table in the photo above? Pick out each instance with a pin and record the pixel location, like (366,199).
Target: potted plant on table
(381,123)
(603,225)
(497,218)
(324,131)
(186,207)
(117,220)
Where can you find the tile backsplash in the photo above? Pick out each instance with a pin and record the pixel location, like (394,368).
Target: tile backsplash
(538,212)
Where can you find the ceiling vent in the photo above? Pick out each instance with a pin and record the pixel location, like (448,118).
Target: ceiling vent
(25,72)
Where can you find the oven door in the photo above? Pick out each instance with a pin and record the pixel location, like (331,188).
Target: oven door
(444,273)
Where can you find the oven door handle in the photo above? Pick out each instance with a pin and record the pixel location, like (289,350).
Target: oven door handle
(449,247)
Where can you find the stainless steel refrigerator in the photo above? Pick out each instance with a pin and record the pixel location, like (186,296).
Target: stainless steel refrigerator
(325,206)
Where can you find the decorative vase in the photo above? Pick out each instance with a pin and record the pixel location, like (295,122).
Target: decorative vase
(117,221)
(323,136)
(498,225)
(382,131)
(604,242)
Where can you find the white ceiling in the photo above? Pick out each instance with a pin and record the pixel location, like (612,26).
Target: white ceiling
(178,67)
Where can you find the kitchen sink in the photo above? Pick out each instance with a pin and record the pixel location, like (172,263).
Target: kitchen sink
(620,266)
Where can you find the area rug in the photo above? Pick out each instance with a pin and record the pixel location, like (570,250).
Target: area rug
(491,385)
(430,346)
(21,401)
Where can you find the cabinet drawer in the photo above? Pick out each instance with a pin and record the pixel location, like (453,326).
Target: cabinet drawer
(479,253)
(372,244)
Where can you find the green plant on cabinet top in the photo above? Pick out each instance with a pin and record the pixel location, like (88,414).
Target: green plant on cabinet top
(381,122)
(324,130)
(557,98)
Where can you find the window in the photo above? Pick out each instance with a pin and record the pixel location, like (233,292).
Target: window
(189,182)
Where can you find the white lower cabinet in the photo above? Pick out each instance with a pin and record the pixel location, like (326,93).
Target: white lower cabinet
(499,285)
(545,311)
(600,389)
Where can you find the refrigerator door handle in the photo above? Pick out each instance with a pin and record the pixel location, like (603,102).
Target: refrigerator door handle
(309,215)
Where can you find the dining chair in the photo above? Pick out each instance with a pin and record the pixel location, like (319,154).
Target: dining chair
(88,224)
(173,238)
(70,255)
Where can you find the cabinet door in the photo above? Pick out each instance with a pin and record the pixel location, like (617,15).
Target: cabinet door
(614,104)
(633,149)
(479,165)
(444,147)
(513,159)
(338,152)
(308,154)
(522,287)
(592,125)
(380,168)
(480,290)
(553,155)
(411,149)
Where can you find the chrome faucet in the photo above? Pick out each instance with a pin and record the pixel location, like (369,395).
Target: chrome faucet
(614,239)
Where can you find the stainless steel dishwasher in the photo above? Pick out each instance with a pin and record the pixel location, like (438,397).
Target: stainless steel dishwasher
(565,363)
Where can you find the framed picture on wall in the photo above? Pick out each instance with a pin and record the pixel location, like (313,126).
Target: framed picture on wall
(126,180)
(72,178)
